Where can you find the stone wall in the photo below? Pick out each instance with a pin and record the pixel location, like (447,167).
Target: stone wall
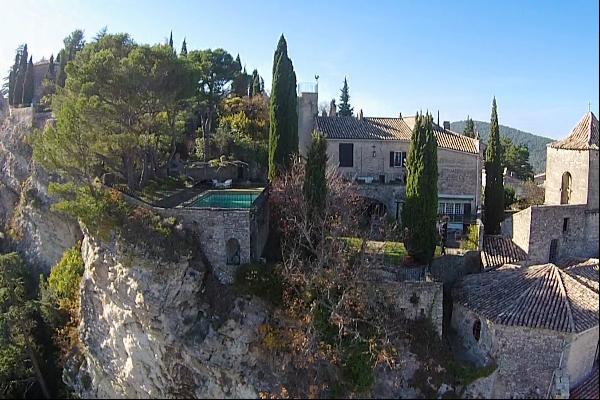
(577,163)
(307,110)
(462,322)
(593,179)
(449,268)
(592,233)
(580,354)
(520,228)
(259,226)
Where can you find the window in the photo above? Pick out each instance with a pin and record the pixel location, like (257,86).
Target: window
(458,208)
(565,188)
(477,330)
(449,208)
(565,225)
(441,208)
(346,155)
(397,159)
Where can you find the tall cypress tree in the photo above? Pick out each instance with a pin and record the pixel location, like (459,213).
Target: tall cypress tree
(183,52)
(171,41)
(20,79)
(494,180)
(61,75)
(283,113)
(315,185)
(345,110)
(239,85)
(469,130)
(255,84)
(50,75)
(12,78)
(28,84)
(419,213)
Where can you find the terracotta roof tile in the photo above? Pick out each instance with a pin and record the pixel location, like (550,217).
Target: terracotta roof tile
(372,128)
(538,296)
(584,136)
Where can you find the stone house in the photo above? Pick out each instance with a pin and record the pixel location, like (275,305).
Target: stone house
(538,324)
(567,224)
(373,151)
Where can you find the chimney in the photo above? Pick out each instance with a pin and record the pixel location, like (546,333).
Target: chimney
(360,114)
(332,108)
(400,115)
(446,125)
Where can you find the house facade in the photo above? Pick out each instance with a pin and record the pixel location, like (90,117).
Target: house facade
(373,152)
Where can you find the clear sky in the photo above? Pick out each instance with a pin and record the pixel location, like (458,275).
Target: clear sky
(539,58)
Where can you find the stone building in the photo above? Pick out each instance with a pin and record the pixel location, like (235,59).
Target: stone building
(567,224)
(373,151)
(538,324)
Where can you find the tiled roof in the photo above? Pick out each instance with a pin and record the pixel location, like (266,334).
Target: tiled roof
(499,250)
(583,136)
(538,296)
(370,128)
(588,389)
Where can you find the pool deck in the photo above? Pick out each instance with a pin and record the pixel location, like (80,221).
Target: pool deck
(184,195)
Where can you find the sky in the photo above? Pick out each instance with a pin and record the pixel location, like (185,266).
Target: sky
(538,58)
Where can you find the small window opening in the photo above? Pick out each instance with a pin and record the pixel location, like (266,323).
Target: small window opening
(565,225)
(477,330)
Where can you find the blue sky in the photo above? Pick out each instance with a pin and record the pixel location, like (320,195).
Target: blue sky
(540,59)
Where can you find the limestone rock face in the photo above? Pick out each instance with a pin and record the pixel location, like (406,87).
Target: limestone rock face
(40,235)
(155,328)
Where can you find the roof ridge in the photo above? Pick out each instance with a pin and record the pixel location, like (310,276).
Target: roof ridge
(511,311)
(563,291)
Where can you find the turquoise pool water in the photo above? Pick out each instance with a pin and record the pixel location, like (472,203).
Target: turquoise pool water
(226,199)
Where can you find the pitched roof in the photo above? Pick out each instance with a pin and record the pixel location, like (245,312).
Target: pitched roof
(538,296)
(584,136)
(372,128)
(588,388)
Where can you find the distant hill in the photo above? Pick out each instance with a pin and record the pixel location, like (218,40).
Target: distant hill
(536,144)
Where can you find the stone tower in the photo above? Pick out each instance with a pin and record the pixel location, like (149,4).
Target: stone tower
(572,166)
(308,109)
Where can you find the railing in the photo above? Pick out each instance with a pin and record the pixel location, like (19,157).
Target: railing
(460,218)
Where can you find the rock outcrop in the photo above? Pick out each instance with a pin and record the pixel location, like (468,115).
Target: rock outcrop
(38,234)
(156,328)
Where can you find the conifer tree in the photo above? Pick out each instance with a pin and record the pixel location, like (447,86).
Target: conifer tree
(283,114)
(20,79)
(315,184)
(183,52)
(50,75)
(469,130)
(61,75)
(419,213)
(171,41)
(12,77)
(255,85)
(345,110)
(494,180)
(239,86)
(28,84)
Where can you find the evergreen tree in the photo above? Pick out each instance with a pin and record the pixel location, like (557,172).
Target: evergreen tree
(20,79)
(283,113)
(50,75)
(469,130)
(61,75)
(419,213)
(345,110)
(28,84)
(12,77)
(494,180)
(255,89)
(315,184)
(239,86)
(171,41)
(183,52)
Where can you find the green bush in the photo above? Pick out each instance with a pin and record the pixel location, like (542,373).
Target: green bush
(65,277)
(261,281)
(357,366)
(472,240)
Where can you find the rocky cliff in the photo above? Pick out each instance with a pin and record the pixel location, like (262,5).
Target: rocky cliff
(28,226)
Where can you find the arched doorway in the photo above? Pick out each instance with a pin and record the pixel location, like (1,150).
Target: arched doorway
(233,252)
(565,188)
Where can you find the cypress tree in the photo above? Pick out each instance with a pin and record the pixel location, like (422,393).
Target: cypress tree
(419,213)
(171,41)
(494,180)
(20,77)
(255,85)
(345,110)
(28,84)
(61,75)
(183,52)
(469,130)
(315,184)
(50,75)
(239,85)
(12,78)
(283,113)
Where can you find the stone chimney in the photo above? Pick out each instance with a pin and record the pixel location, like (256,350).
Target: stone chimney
(332,108)
(446,125)
(360,115)
(400,115)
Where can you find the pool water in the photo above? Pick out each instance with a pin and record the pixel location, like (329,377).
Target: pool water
(226,199)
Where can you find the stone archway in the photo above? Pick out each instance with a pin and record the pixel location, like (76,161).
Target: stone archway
(232,249)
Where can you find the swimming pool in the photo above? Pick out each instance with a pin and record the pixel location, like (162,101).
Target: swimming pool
(234,198)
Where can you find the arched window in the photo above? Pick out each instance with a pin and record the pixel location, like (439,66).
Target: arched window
(233,252)
(477,329)
(565,188)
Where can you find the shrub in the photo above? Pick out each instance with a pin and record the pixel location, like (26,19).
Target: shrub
(261,281)
(65,277)
(357,365)
(472,240)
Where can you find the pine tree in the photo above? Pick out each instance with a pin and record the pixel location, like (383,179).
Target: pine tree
(315,184)
(20,79)
(28,84)
(183,52)
(239,85)
(494,180)
(469,130)
(345,110)
(283,113)
(61,75)
(419,213)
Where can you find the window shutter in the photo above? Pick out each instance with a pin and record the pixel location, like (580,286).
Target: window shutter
(391,158)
